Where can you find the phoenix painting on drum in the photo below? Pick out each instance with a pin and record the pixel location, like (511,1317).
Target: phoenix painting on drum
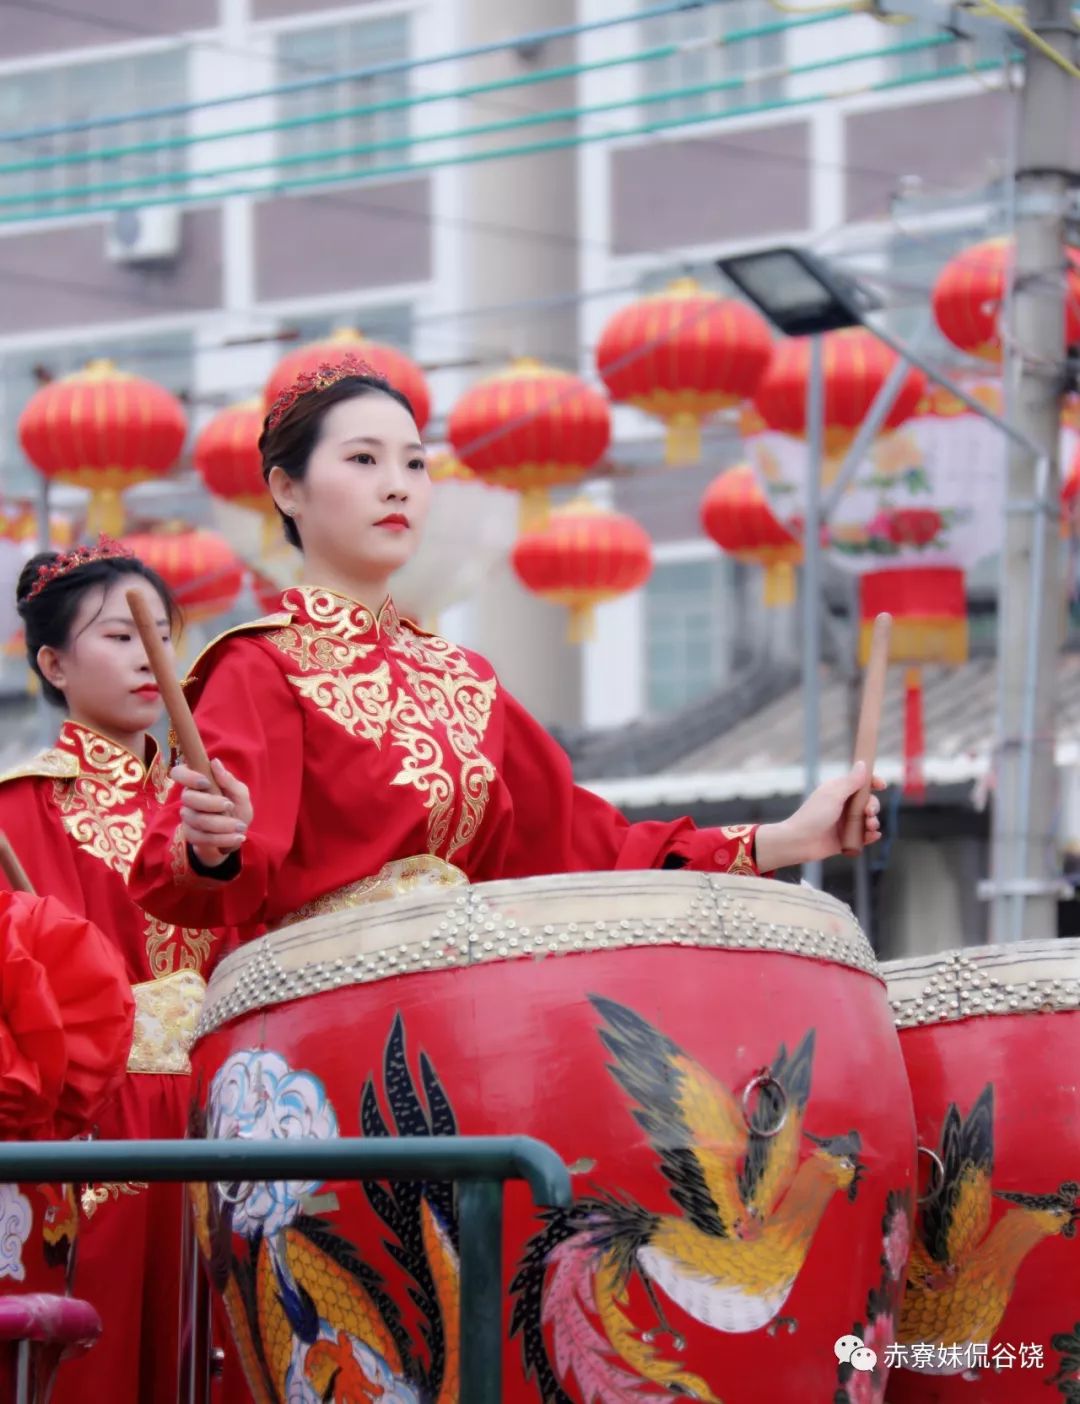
(962,1268)
(749,1204)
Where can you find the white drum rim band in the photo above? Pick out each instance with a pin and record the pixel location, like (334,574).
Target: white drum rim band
(456,927)
(1028,977)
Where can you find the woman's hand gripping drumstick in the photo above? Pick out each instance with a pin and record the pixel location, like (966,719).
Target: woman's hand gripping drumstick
(12,869)
(852,835)
(215,807)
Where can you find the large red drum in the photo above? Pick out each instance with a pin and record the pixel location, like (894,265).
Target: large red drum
(991,1039)
(713,1057)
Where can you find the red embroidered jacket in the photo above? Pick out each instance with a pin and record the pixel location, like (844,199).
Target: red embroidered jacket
(75,815)
(364,739)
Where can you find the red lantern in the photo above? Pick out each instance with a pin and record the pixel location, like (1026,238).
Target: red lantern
(227,457)
(228,460)
(970,290)
(930,625)
(198,566)
(402,373)
(681,356)
(736,514)
(582,557)
(530,427)
(855,365)
(104,430)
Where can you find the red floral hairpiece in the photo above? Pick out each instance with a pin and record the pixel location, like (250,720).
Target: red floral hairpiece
(320,378)
(106,550)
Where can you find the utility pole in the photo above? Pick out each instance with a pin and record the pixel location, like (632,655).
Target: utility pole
(1025,884)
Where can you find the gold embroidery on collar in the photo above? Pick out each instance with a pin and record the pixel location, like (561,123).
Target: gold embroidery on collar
(443,691)
(311,647)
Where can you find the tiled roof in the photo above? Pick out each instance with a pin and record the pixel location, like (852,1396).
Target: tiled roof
(763,755)
(959,706)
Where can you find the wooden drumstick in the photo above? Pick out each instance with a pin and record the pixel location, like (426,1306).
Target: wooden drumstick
(172,694)
(12,869)
(866,738)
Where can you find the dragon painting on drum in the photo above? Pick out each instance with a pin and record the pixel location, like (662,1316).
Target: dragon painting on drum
(314,1322)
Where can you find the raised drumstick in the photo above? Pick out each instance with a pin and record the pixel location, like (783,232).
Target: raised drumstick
(172,694)
(866,738)
(12,869)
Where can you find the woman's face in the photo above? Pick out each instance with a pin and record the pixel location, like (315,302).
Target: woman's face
(362,505)
(103,670)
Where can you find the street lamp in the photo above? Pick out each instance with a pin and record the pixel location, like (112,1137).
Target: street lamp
(797,292)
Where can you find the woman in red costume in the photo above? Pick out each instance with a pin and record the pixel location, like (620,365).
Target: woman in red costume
(76,815)
(358,755)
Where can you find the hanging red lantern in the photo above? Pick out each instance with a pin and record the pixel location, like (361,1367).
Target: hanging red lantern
(682,356)
(227,457)
(930,625)
(393,365)
(855,365)
(969,294)
(530,427)
(104,430)
(736,514)
(198,566)
(582,557)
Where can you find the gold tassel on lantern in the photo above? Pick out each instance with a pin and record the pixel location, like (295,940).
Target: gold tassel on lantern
(581,625)
(779,584)
(106,513)
(682,444)
(534,510)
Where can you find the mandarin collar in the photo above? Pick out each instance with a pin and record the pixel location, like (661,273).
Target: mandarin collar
(101,757)
(347,618)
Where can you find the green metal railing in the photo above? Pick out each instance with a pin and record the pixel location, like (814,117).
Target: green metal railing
(478,1165)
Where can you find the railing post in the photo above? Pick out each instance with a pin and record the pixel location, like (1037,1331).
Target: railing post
(480,1210)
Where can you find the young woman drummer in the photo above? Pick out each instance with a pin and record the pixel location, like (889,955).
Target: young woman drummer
(350,746)
(76,814)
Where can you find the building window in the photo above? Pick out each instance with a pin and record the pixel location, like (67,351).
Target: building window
(55,96)
(714,62)
(692,611)
(337,48)
(390,323)
(167,358)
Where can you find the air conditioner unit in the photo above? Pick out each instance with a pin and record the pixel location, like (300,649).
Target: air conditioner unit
(150,235)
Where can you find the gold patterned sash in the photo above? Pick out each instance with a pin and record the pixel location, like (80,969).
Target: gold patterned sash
(166,1014)
(394,879)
